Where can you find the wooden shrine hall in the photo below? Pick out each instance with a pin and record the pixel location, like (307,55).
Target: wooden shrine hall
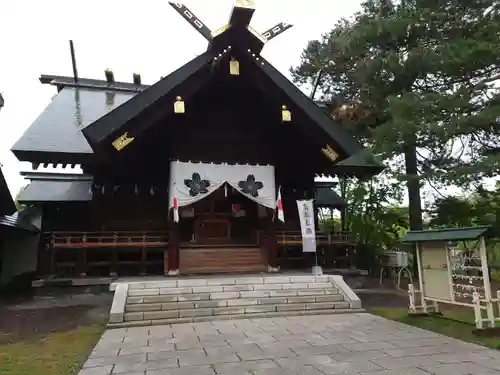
(182,177)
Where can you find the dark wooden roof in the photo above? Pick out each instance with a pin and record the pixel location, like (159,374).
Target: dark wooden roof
(88,115)
(55,136)
(7,205)
(125,118)
(148,100)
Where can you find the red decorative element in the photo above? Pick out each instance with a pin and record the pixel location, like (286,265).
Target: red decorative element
(279,204)
(176,210)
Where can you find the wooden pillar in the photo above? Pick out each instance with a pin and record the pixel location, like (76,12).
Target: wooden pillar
(82,262)
(171,264)
(271,243)
(144,258)
(113,271)
(52,255)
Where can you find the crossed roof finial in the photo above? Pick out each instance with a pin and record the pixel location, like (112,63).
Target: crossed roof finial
(242,11)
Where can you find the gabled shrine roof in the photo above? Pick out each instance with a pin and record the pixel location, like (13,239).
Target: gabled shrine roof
(87,115)
(57,130)
(103,131)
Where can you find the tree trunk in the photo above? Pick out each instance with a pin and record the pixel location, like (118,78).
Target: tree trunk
(415,203)
(413,185)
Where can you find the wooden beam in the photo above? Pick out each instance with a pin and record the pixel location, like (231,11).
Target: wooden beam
(192,19)
(276,30)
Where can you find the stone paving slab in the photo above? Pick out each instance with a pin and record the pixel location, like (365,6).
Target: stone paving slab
(350,344)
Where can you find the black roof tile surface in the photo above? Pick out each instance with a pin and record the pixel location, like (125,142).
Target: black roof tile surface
(326,197)
(58,128)
(56,191)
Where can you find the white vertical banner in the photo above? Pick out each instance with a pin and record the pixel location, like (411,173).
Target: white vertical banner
(306,216)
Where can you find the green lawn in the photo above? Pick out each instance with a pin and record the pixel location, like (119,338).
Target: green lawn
(59,353)
(454,323)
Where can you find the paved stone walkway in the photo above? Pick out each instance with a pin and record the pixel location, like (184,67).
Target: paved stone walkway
(305,345)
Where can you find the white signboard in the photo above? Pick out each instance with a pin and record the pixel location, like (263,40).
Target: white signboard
(306,216)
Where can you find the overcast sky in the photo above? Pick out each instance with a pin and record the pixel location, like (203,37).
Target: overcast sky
(147,37)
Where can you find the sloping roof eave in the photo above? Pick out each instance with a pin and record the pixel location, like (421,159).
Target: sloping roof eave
(44,191)
(335,130)
(102,128)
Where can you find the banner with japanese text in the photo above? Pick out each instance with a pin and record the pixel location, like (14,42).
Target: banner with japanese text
(306,217)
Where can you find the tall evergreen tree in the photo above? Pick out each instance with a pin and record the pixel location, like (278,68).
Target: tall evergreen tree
(419,79)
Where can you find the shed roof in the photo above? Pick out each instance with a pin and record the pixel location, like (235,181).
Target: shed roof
(326,197)
(362,164)
(56,191)
(447,234)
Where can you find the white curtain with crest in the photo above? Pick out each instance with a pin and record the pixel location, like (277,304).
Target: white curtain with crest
(191,182)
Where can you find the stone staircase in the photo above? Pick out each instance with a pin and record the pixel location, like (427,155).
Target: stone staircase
(216,298)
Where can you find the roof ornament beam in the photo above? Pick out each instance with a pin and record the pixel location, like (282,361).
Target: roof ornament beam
(192,19)
(276,30)
(240,15)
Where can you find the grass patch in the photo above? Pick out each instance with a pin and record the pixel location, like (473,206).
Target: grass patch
(59,353)
(454,323)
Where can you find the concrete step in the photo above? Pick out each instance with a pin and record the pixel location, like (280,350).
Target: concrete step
(227,289)
(255,294)
(224,298)
(183,305)
(153,322)
(225,281)
(234,310)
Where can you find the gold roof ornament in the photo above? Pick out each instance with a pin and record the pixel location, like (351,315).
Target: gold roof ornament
(122,141)
(234,67)
(179,106)
(286,115)
(220,30)
(330,153)
(256,34)
(250,4)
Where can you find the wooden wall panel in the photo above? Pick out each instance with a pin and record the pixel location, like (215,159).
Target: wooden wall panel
(221,260)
